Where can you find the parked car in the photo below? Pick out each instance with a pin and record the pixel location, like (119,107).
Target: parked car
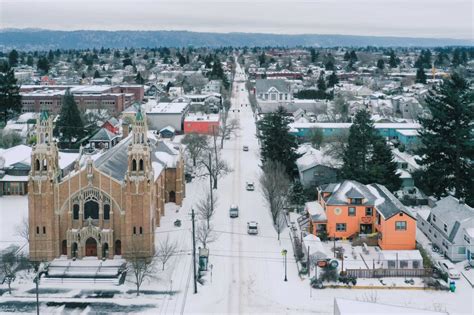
(250,186)
(245,148)
(234,211)
(449,268)
(252,227)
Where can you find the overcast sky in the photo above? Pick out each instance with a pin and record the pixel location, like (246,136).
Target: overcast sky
(415,18)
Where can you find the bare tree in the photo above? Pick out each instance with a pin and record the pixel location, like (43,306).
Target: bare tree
(274,185)
(23,229)
(205,235)
(214,166)
(166,250)
(139,264)
(227,127)
(195,144)
(7,267)
(196,81)
(206,207)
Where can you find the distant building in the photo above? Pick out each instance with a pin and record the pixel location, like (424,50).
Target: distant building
(115,99)
(167,114)
(201,123)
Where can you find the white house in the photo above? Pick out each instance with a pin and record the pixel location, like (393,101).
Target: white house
(450,226)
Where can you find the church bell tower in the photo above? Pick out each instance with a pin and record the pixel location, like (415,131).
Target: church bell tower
(43,179)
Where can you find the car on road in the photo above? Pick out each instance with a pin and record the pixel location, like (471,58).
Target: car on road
(245,147)
(448,267)
(249,186)
(234,211)
(252,227)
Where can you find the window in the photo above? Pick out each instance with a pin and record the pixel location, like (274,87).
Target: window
(415,264)
(466,238)
(91,209)
(134,165)
(445,228)
(106,212)
(356,201)
(435,235)
(141,165)
(134,230)
(461,250)
(352,211)
(400,225)
(403,263)
(75,212)
(434,218)
(368,212)
(141,230)
(391,264)
(44,229)
(378,218)
(37,230)
(340,227)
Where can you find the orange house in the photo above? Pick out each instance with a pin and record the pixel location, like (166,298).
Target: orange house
(202,124)
(346,209)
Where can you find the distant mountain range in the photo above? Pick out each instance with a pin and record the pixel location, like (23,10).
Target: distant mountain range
(38,39)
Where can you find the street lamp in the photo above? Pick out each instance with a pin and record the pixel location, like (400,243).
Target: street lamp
(284,252)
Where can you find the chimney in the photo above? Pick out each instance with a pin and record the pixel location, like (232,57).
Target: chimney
(461,201)
(125,130)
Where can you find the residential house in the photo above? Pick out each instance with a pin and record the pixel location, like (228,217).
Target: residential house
(104,139)
(352,208)
(314,167)
(450,226)
(273,90)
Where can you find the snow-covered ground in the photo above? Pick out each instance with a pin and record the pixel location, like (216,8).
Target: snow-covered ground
(12,211)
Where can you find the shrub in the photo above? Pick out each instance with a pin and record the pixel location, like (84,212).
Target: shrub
(329,274)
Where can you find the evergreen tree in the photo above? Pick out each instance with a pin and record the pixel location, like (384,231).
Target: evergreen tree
(420,76)
(357,154)
(333,79)
(447,150)
(394,61)
(314,55)
(43,65)
(10,98)
(367,158)
(321,84)
(96,74)
(69,124)
(297,196)
(139,79)
(262,59)
(277,144)
(30,61)
(383,168)
(380,64)
(347,56)
(13,58)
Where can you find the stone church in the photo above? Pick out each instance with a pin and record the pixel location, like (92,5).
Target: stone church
(106,206)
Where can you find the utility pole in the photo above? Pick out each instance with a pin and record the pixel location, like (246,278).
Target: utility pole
(37,293)
(194,253)
(210,183)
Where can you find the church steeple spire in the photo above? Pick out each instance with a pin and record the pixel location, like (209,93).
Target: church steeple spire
(44,157)
(139,150)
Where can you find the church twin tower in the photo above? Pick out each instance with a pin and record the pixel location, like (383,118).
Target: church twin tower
(101,208)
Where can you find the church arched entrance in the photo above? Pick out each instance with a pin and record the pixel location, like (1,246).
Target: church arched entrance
(91,247)
(172,196)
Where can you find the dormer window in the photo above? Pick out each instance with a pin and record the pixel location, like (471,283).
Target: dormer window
(356,201)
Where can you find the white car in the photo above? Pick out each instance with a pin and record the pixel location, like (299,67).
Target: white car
(234,211)
(449,268)
(252,227)
(250,186)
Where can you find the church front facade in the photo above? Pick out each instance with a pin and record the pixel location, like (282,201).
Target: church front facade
(106,207)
